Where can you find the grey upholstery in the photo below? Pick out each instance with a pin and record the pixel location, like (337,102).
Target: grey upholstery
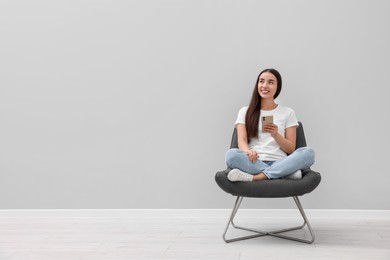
(271,188)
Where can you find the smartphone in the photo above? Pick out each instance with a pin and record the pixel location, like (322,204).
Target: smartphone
(266,120)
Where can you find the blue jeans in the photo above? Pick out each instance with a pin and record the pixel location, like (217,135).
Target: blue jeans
(301,158)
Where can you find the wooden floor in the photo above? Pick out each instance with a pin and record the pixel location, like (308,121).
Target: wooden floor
(24,238)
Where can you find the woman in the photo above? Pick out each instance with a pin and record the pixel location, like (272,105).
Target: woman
(267,151)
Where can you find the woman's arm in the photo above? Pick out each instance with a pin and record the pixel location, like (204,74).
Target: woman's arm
(288,142)
(242,140)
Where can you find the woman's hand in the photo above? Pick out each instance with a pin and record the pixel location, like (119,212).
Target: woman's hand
(252,155)
(272,129)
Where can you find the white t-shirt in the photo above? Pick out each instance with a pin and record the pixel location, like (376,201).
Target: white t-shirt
(265,145)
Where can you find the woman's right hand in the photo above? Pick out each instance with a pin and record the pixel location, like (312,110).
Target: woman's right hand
(252,155)
(243,143)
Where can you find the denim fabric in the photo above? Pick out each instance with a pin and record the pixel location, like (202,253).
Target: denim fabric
(301,158)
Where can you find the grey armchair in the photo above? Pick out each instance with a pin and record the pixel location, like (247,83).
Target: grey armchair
(280,188)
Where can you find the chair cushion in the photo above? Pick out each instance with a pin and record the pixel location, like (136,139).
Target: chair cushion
(279,188)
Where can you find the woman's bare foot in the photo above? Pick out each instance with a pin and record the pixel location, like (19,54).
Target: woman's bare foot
(260,177)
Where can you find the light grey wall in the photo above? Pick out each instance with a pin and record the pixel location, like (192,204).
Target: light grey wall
(131,104)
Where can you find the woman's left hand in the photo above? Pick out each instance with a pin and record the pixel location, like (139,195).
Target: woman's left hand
(272,129)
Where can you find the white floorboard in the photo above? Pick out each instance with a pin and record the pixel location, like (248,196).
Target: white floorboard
(186,235)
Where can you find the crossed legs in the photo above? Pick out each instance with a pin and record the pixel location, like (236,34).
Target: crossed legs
(245,170)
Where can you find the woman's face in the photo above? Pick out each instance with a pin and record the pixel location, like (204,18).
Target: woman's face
(268,84)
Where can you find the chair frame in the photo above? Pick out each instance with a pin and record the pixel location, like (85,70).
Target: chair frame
(275,233)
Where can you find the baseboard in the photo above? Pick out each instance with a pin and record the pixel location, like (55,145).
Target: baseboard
(192,213)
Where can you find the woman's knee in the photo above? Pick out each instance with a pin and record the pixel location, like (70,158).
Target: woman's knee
(308,153)
(232,156)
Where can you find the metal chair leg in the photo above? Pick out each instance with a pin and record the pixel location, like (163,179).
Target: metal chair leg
(232,215)
(275,233)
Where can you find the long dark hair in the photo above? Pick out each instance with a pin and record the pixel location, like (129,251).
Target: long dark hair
(252,116)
